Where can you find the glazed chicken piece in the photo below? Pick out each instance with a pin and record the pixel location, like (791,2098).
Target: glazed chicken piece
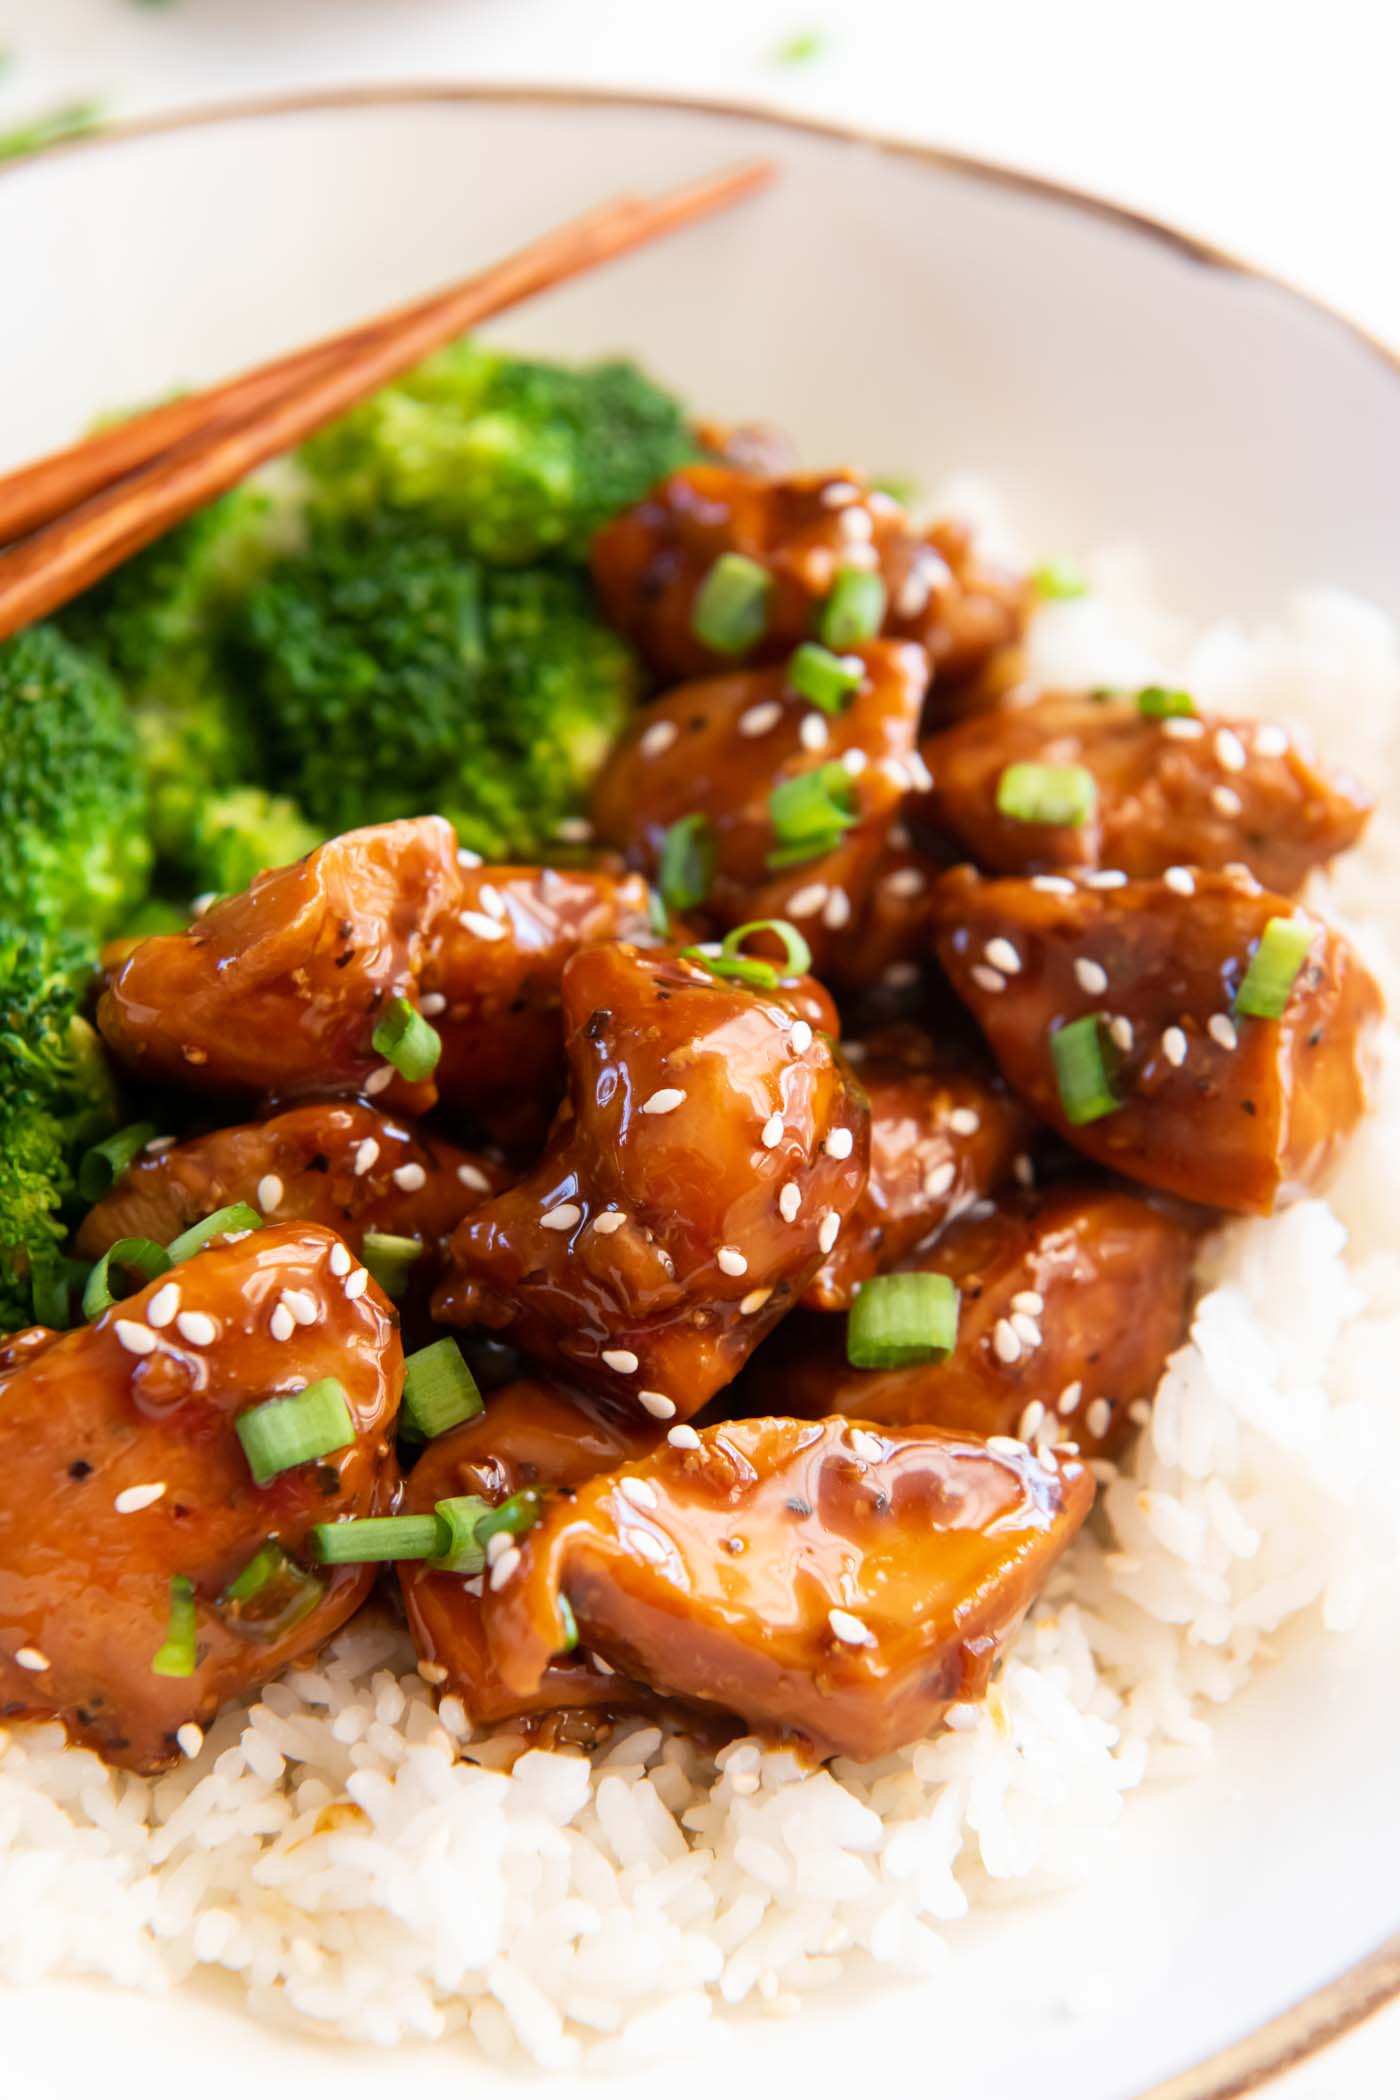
(804,530)
(24,1345)
(531,1435)
(279,990)
(846,1583)
(123,1478)
(1167,792)
(341,1163)
(717,749)
(944,1130)
(706,1155)
(887,947)
(1069,1306)
(1166,1080)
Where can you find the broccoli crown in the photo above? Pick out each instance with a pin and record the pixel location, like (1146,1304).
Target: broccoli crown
(516,459)
(243,830)
(73,844)
(55,1097)
(392,675)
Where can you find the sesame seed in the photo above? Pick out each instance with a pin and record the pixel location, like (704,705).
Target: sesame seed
(1023,1168)
(848,1628)
(270,1192)
(605,1669)
(658,738)
(801,1037)
(961,1717)
(856,524)
(987,980)
(1007,1447)
(432,1673)
(940,1179)
(640,1493)
(609,1221)
(1032,1415)
(505,1567)
(381,1077)
(899,976)
(577,830)
(491,900)
(1221,1029)
(964,1122)
(341,1259)
(1026,1330)
(663,1101)
(304,1307)
(1226,801)
(356,1285)
(829,1231)
(1174,1046)
(1090,976)
(650,1548)
(1006,1342)
(1053,885)
(838,911)
(1002,956)
(814,734)
(855,761)
(31,1658)
(757,721)
(366,1153)
(1229,751)
(806,902)
(190,1737)
(1181,880)
(1028,1302)
(837,494)
(431,1004)
(840,1143)
(135,1337)
(866,1446)
(1070,1397)
(789,1200)
(467,859)
(1270,741)
(133,1498)
(499,1542)
(1120,1032)
(1183,729)
(772,1130)
(623,1361)
(657,1405)
(919,777)
(913,595)
(472,1178)
(905,882)
(1140,1413)
(562,1218)
(197,1327)
(282,1325)
(162,1305)
(1097,1416)
(756,1300)
(732,1261)
(683,1437)
(1108,878)
(410,1176)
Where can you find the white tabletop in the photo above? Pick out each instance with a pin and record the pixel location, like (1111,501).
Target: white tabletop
(1263,127)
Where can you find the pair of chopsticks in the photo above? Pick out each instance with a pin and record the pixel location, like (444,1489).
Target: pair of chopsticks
(69,519)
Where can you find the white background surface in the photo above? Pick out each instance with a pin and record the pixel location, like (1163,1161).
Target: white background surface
(1257,125)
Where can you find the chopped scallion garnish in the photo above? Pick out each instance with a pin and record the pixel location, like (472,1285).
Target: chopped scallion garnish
(101,1166)
(389,1257)
(283,1433)
(517,1514)
(827,680)
(810,813)
(687,863)
(459,1550)
(175,1657)
(406,1041)
(854,611)
(145,1259)
(731,606)
(1274,965)
(569,1624)
(356,1539)
(439,1391)
(1058,579)
(1081,1052)
(270,1595)
(900,1320)
(1160,702)
(1036,794)
(234,1217)
(658,917)
(752,969)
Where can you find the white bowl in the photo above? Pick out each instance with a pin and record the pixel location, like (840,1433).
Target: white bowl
(914,313)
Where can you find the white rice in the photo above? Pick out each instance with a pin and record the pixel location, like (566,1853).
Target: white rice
(320,1845)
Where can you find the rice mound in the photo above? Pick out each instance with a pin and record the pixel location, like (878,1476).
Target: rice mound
(319,1846)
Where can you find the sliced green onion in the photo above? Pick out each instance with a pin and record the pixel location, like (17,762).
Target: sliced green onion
(280,1434)
(1081,1052)
(234,1217)
(569,1624)
(271,1595)
(658,914)
(389,1257)
(460,1551)
(53,1279)
(900,1320)
(406,1041)
(810,812)
(175,1657)
(103,1165)
(516,1515)
(356,1539)
(731,606)
(854,611)
(687,863)
(828,681)
(1275,963)
(1159,702)
(1036,794)
(1058,579)
(144,1258)
(797,955)
(439,1391)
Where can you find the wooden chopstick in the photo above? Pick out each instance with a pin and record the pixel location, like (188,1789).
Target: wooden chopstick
(273,414)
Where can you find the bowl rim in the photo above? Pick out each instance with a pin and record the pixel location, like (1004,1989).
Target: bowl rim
(1326,2014)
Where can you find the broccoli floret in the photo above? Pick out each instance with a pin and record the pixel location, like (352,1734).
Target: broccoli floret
(244,830)
(392,676)
(514,458)
(56,1096)
(73,844)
